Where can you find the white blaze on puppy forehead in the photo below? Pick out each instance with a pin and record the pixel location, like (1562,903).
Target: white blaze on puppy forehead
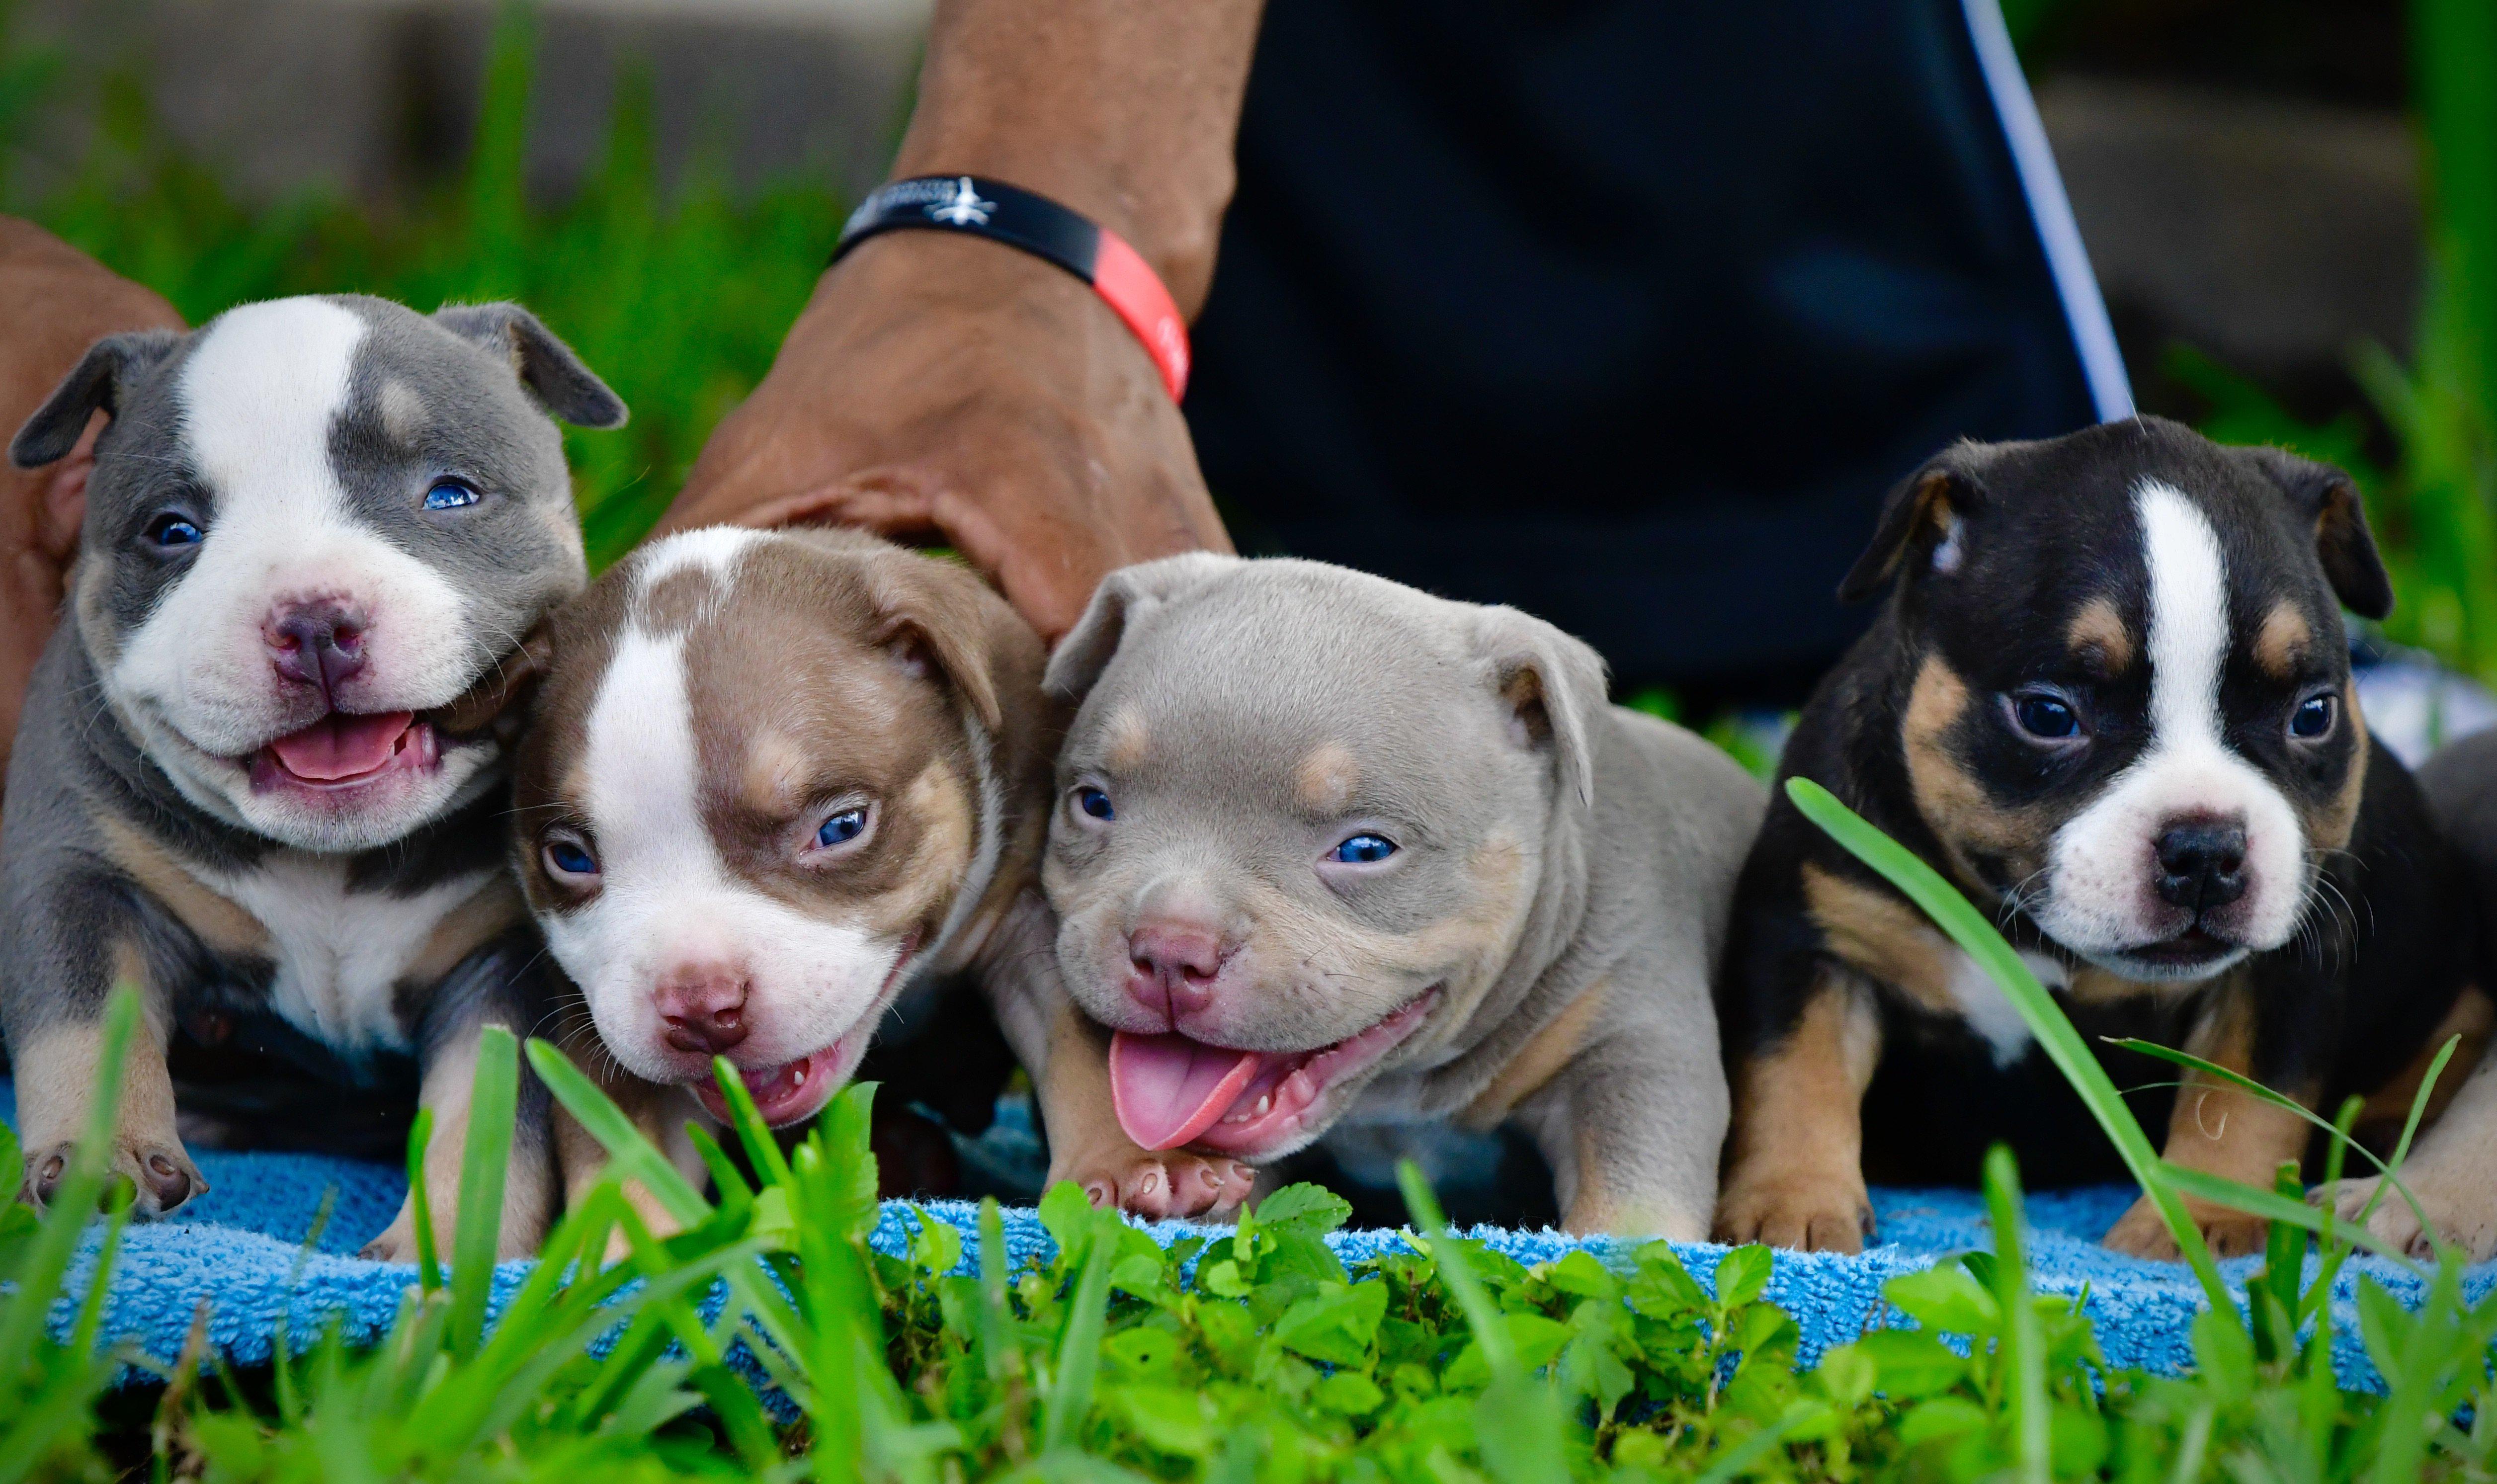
(667,903)
(259,394)
(2100,897)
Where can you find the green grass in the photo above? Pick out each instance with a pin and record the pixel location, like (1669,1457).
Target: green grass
(1258,1355)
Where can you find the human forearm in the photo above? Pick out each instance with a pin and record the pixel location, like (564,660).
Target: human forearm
(1125,111)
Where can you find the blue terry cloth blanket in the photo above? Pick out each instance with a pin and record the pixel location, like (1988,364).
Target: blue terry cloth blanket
(239,1250)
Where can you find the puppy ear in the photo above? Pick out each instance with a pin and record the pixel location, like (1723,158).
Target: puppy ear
(545,364)
(99,380)
(499,698)
(1925,514)
(1123,596)
(1553,686)
(939,617)
(2327,500)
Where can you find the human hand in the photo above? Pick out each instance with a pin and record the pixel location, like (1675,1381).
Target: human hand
(950,388)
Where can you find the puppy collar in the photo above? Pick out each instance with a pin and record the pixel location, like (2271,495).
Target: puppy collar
(1041,226)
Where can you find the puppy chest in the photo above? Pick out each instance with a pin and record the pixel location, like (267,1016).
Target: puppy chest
(340,956)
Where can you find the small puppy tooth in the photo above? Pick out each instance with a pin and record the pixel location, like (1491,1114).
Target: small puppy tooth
(1265,1100)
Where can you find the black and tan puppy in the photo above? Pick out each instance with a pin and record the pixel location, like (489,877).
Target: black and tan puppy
(2109,698)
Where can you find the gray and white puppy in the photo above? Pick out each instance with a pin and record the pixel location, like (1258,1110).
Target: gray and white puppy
(260,770)
(1331,851)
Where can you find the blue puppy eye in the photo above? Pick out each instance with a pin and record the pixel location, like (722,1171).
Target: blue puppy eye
(2049,718)
(1362,850)
(173,530)
(567,858)
(1094,802)
(450,494)
(843,828)
(2313,718)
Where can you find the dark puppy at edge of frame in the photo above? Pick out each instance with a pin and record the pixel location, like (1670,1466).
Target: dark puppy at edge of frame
(260,773)
(2109,698)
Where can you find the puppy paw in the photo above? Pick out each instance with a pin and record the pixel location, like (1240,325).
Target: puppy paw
(2142,1232)
(1807,1216)
(1164,1184)
(395,1244)
(2461,1213)
(158,1171)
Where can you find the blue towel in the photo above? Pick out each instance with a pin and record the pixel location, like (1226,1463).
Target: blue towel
(239,1250)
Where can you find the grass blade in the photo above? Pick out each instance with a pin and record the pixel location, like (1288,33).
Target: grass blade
(2024,1338)
(634,1157)
(1079,1347)
(491,1098)
(429,1265)
(1967,928)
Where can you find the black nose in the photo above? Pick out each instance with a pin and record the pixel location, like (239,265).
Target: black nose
(319,644)
(2202,863)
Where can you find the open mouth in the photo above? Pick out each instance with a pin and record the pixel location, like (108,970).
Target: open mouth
(790,1092)
(793,1092)
(1169,1090)
(345,751)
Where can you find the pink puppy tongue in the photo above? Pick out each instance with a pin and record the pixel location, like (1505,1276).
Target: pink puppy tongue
(1167,1089)
(341,747)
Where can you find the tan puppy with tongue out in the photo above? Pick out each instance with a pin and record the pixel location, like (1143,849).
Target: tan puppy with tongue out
(1328,851)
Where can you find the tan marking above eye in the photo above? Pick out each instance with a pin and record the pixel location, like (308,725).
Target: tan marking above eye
(1125,739)
(1325,778)
(2097,635)
(402,410)
(679,601)
(2285,640)
(776,773)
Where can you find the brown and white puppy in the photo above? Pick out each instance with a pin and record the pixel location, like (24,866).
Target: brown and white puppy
(775,783)
(2452,1168)
(1332,851)
(2109,698)
(258,774)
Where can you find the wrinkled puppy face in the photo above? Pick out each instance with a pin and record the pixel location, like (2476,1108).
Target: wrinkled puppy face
(313,525)
(752,796)
(2128,709)
(1303,816)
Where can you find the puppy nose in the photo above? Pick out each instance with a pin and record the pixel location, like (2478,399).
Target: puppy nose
(2202,863)
(319,644)
(1173,966)
(704,1008)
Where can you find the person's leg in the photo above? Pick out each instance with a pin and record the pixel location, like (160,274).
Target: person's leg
(54,303)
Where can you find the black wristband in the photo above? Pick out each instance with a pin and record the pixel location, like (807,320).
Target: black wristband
(1039,226)
(981,208)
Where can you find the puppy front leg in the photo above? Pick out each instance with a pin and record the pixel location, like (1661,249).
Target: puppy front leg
(491,988)
(1632,1129)
(2225,1130)
(1794,1173)
(54,1023)
(1068,1059)
(661,1114)
(2452,1171)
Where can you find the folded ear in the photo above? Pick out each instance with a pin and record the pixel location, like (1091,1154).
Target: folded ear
(545,364)
(940,619)
(99,380)
(1921,522)
(2326,499)
(1553,686)
(1123,596)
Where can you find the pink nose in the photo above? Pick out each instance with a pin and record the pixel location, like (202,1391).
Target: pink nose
(319,643)
(703,1007)
(1172,966)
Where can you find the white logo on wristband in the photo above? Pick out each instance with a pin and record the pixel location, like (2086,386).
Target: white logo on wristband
(963,208)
